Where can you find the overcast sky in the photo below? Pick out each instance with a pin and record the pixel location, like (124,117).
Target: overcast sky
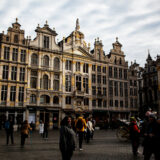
(135,22)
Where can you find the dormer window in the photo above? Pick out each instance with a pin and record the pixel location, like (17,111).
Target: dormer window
(16,38)
(46,42)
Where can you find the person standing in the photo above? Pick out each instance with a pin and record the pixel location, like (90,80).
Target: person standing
(9,131)
(24,132)
(45,133)
(67,139)
(41,128)
(134,135)
(80,125)
(89,130)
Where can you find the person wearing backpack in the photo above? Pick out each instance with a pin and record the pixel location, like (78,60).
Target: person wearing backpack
(80,125)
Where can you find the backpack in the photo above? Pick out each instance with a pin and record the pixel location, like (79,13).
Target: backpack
(79,124)
(7,125)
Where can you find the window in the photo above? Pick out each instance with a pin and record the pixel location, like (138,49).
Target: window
(104,79)
(13,93)
(111,88)
(4,93)
(45,82)
(68,65)
(23,55)
(121,89)
(5,72)
(93,78)
(111,102)
(93,67)
(68,83)
(104,103)
(55,100)
(135,103)
(120,73)
(104,91)
(33,99)
(68,100)
(121,103)
(44,99)
(99,102)
(46,42)
(34,59)
(104,69)
(22,74)
(126,89)
(6,53)
(56,63)
(21,94)
(85,68)
(15,38)
(99,79)
(115,72)
(14,73)
(116,88)
(125,73)
(116,103)
(94,103)
(93,90)
(85,85)
(131,91)
(120,61)
(126,103)
(115,60)
(56,82)
(78,66)
(46,61)
(110,71)
(86,101)
(15,54)
(135,83)
(98,68)
(78,83)
(135,92)
(130,82)
(131,102)
(99,91)
(34,78)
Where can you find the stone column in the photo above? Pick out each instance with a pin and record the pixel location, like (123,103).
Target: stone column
(37,119)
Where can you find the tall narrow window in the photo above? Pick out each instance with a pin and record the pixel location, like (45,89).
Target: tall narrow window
(104,91)
(85,68)
(99,102)
(34,59)
(21,94)
(104,69)
(120,73)
(86,101)
(85,85)
(55,100)
(68,83)
(93,78)
(93,90)
(15,54)
(104,79)
(15,38)
(23,55)
(56,63)
(125,74)
(45,82)
(104,103)
(126,89)
(99,79)
(22,74)
(115,72)
(111,88)
(4,93)
(68,100)
(110,71)
(68,65)
(121,89)
(93,67)
(14,73)
(46,61)
(46,42)
(33,99)
(98,68)
(56,82)
(99,91)
(5,72)
(13,93)
(77,66)
(116,88)
(34,77)
(78,83)
(6,53)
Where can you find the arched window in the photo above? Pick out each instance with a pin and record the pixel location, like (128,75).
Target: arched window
(45,82)
(56,64)
(46,61)
(15,38)
(44,99)
(33,98)
(120,61)
(34,59)
(55,100)
(115,60)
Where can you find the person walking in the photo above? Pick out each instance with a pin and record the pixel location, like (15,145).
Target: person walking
(45,133)
(134,135)
(89,130)
(80,125)
(9,131)
(24,132)
(67,139)
(41,128)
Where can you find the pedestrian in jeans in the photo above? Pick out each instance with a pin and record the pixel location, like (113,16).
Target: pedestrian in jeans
(9,131)
(24,132)
(80,125)
(67,139)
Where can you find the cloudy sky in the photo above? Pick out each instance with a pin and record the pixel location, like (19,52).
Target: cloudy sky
(135,22)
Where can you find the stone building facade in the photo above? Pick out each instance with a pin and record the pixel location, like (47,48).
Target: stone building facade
(44,80)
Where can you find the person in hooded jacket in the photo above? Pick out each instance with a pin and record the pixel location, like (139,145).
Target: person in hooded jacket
(67,139)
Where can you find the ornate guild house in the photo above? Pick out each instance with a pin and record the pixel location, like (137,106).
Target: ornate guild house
(41,79)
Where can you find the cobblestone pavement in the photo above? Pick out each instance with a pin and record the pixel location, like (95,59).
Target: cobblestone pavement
(104,146)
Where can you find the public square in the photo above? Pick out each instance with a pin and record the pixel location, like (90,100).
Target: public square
(104,146)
